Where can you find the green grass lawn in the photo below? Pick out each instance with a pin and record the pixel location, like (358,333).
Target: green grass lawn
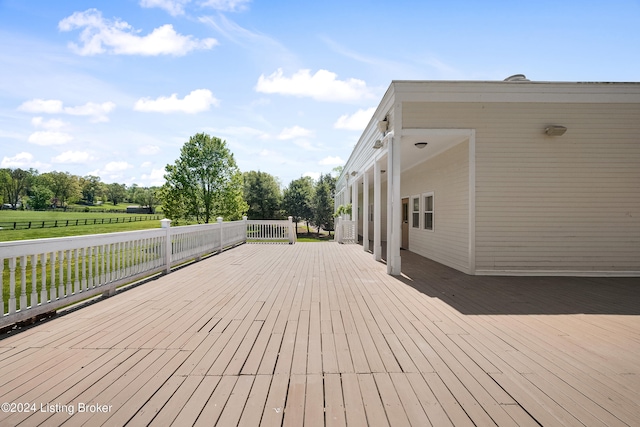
(62,217)
(313,235)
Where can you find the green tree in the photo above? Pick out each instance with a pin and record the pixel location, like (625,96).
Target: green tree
(147,197)
(262,194)
(15,184)
(298,200)
(116,192)
(132,193)
(323,202)
(64,186)
(39,197)
(92,188)
(203,183)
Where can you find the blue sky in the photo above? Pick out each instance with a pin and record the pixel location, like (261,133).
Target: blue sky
(114,88)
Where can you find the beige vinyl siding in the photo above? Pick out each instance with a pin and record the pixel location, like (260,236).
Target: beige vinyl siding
(550,204)
(447,176)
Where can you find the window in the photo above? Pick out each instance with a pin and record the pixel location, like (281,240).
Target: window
(428,211)
(415,212)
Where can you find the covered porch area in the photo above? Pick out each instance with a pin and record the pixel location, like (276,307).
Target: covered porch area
(318,334)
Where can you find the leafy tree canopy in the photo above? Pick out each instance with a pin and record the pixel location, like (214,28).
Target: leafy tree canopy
(204,182)
(298,200)
(262,194)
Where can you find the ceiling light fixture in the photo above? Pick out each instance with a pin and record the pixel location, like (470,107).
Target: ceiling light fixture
(555,130)
(421,144)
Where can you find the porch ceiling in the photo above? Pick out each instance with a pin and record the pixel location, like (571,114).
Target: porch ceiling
(437,141)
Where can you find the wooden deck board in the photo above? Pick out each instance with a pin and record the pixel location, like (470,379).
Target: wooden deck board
(318,334)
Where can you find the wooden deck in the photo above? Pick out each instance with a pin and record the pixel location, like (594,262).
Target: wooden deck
(318,334)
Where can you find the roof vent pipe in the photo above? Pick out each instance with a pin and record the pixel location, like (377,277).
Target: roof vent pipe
(517,78)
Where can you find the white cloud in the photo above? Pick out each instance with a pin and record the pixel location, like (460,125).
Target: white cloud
(148,150)
(313,175)
(120,166)
(155,177)
(52,124)
(101,35)
(20,160)
(46,138)
(197,101)
(303,143)
(50,106)
(357,121)
(294,132)
(72,157)
(331,161)
(322,86)
(146,164)
(174,7)
(97,112)
(226,5)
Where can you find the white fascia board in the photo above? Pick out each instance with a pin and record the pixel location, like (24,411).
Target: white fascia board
(525,92)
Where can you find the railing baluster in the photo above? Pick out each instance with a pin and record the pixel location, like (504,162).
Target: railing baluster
(108,278)
(90,262)
(44,292)
(61,274)
(12,285)
(54,291)
(69,289)
(118,260)
(23,283)
(96,266)
(84,269)
(103,275)
(34,280)
(76,283)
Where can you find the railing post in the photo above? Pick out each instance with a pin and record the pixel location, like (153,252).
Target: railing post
(221,234)
(338,226)
(292,232)
(244,219)
(166,224)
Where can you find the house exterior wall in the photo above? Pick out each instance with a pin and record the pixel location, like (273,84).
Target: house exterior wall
(383,213)
(447,176)
(568,204)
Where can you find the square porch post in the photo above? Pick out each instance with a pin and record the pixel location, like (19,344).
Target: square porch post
(365,211)
(354,208)
(394,220)
(377,192)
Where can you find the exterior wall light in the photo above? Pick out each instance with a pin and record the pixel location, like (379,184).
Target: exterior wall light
(383,125)
(421,144)
(555,130)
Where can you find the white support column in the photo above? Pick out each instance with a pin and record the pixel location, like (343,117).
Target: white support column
(377,187)
(354,208)
(365,211)
(394,225)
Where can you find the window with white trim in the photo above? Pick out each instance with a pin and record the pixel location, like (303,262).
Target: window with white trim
(427,210)
(415,212)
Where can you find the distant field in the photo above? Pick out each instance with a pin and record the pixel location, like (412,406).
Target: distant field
(62,217)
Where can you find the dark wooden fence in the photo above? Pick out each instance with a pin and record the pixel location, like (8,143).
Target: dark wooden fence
(25,225)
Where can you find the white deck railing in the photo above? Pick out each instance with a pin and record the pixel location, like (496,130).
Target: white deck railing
(345,231)
(271,230)
(44,275)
